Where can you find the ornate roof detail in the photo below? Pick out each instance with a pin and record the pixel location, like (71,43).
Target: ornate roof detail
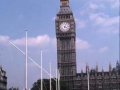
(110,67)
(81,71)
(96,67)
(65,10)
(102,69)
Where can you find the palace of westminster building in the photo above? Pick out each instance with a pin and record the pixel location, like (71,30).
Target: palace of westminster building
(66,57)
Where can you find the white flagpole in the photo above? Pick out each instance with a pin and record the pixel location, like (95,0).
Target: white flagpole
(26,64)
(56,78)
(59,80)
(50,75)
(41,71)
(88,75)
(119,32)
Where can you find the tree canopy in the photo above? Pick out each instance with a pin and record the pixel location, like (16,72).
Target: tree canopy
(46,85)
(12,88)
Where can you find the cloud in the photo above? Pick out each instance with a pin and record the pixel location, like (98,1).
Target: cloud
(112,29)
(98,18)
(106,23)
(4,39)
(102,50)
(33,41)
(54,42)
(111,3)
(81,44)
(80,23)
(96,15)
(46,41)
(93,6)
(111,21)
(103,22)
(90,7)
(42,40)
(114,3)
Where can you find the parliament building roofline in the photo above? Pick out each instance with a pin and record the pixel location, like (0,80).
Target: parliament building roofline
(66,57)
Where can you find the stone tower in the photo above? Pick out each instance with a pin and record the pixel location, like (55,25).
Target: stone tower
(66,39)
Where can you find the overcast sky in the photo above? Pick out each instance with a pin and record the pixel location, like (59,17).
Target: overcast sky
(96,28)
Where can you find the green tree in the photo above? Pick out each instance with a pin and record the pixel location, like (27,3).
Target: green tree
(46,85)
(12,88)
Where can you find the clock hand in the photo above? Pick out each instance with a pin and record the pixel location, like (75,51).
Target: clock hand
(64,26)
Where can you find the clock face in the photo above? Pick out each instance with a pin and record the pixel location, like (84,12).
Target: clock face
(64,26)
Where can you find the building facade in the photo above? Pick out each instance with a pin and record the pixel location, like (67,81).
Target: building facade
(104,80)
(66,57)
(66,48)
(3,79)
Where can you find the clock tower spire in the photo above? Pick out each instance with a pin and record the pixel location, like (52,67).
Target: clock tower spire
(64,3)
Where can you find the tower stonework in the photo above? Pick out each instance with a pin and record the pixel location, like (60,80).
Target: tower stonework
(66,57)
(66,48)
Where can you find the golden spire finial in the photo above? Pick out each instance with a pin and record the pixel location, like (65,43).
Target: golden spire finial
(96,67)
(110,66)
(102,69)
(64,2)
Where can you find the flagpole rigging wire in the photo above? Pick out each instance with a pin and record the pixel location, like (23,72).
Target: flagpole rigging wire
(119,31)
(31,59)
(26,66)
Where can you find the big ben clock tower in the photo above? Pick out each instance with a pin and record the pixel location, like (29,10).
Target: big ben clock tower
(66,39)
